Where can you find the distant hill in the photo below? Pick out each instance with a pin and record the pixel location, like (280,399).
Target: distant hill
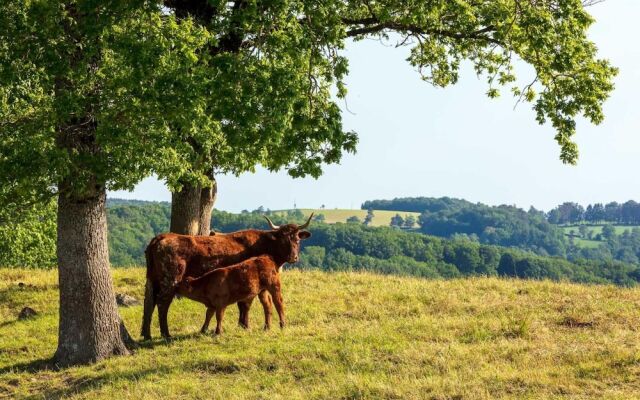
(378,249)
(417,204)
(500,225)
(132,202)
(348,246)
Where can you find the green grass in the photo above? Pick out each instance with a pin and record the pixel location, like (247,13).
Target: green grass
(350,336)
(587,243)
(598,229)
(380,217)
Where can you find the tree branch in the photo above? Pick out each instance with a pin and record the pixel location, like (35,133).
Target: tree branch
(376,26)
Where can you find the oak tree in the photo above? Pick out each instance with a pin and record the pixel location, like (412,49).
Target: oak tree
(89,90)
(302,39)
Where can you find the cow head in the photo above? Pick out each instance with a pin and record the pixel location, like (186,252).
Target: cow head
(286,239)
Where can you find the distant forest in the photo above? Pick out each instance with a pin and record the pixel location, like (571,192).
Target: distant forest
(382,249)
(479,240)
(533,230)
(627,213)
(342,246)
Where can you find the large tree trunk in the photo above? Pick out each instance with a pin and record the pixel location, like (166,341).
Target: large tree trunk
(191,209)
(185,210)
(90,327)
(207,200)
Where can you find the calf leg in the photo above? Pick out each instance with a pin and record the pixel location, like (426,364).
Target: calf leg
(265,299)
(276,295)
(207,318)
(164,302)
(219,316)
(243,308)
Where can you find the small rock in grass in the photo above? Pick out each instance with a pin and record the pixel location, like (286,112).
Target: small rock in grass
(126,300)
(26,313)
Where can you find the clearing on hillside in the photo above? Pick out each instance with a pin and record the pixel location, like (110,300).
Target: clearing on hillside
(380,217)
(573,230)
(350,335)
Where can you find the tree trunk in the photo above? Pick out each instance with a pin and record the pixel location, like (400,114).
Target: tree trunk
(185,210)
(90,327)
(207,200)
(191,209)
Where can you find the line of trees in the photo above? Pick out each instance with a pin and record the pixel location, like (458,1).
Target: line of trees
(354,246)
(627,213)
(348,247)
(499,225)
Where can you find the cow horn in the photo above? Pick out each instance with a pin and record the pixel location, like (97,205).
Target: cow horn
(306,224)
(271,225)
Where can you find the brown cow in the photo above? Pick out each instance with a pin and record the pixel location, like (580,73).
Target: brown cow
(172,257)
(241,282)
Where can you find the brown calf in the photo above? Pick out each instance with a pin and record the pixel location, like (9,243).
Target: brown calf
(172,258)
(241,282)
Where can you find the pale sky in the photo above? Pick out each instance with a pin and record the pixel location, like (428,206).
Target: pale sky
(417,140)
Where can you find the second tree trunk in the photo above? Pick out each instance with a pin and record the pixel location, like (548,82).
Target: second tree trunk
(191,209)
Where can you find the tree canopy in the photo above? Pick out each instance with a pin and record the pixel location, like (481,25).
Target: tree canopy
(275,64)
(249,83)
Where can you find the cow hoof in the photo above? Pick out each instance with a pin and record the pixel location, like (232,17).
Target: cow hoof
(167,338)
(266,327)
(146,338)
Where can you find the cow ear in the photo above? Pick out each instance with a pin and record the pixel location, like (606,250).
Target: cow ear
(302,235)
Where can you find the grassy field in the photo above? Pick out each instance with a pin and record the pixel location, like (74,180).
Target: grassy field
(380,217)
(587,243)
(350,336)
(596,229)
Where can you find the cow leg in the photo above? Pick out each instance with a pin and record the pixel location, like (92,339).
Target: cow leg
(207,318)
(265,299)
(149,305)
(164,302)
(243,308)
(219,316)
(276,295)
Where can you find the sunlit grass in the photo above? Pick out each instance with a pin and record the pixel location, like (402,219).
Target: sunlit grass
(350,335)
(380,217)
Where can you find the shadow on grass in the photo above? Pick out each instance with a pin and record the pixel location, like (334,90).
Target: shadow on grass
(80,385)
(48,364)
(63,383)
(150,344)
(43,364)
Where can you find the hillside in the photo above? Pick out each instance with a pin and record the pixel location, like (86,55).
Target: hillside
(350,335)
(380,217)
(332,247)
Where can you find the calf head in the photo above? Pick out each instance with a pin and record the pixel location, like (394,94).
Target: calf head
(286,239)
(185,286)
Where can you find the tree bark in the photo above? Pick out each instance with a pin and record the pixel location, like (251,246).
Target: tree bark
(191,209)
(185,210)
(90,327)
(207,200)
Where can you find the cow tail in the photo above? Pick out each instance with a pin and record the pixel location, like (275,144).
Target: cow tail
(149,293)
(148,255)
